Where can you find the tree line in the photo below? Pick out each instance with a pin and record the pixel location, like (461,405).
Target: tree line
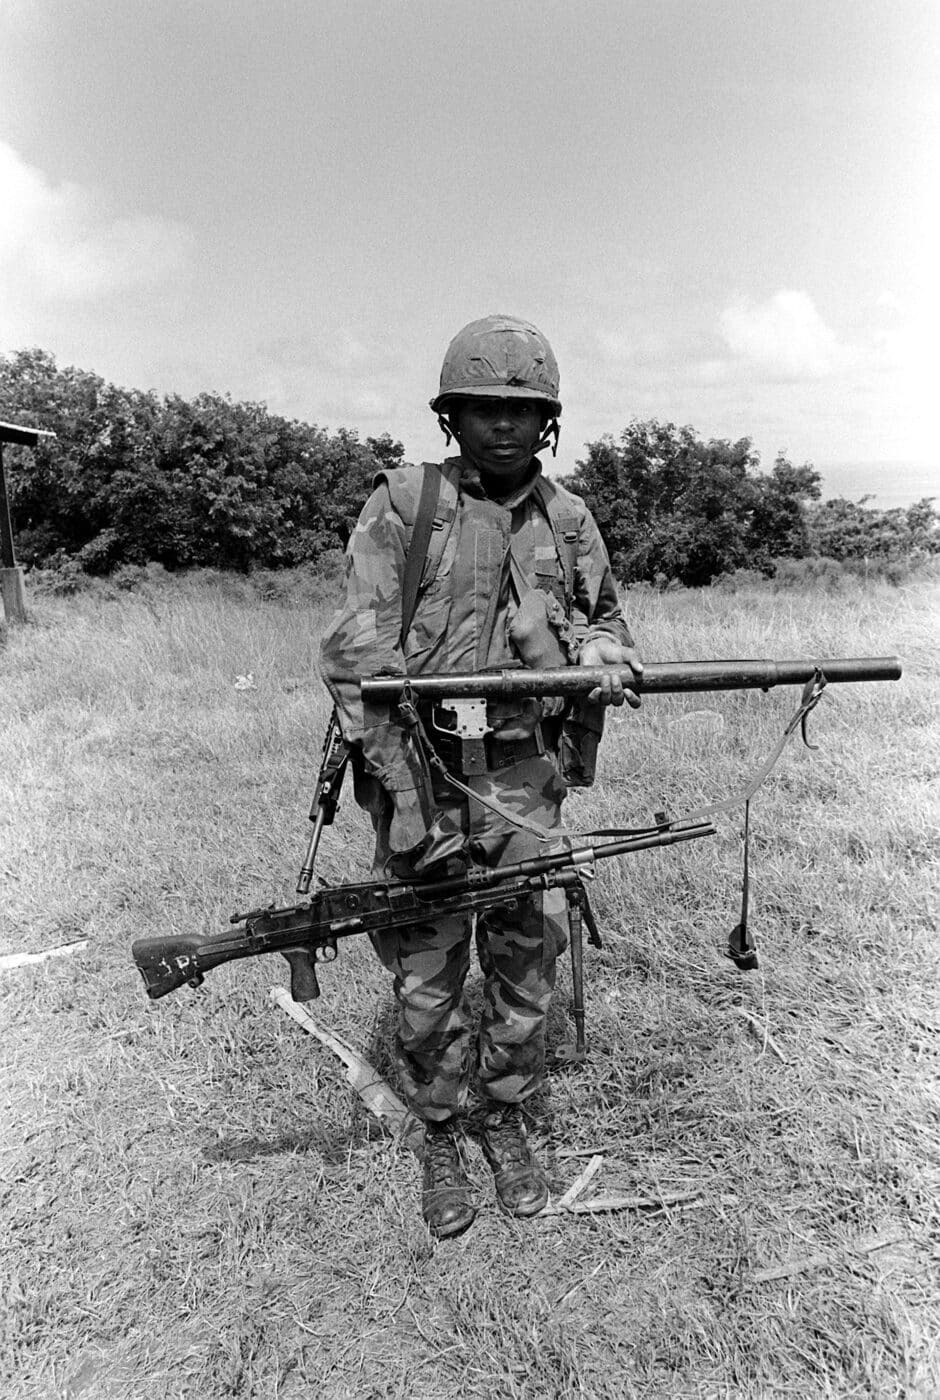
(133,478)
(672,507)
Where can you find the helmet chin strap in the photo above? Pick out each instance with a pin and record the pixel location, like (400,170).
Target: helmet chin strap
(549,437)
(447,430)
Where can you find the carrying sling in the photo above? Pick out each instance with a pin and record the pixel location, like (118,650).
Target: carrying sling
(418,554)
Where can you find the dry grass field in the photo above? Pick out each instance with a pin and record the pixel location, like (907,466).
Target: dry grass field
(196,1205)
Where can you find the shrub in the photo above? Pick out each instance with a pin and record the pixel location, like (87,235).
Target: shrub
(672,506)
(814,572)
(853,531)
(739,579)
(62,576)
(131,478)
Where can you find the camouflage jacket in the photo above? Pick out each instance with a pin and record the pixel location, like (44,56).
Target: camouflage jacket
(463,612)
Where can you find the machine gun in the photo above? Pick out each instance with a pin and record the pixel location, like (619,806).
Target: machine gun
(308,933)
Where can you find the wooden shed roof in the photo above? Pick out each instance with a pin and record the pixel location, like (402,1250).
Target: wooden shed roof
(24,437)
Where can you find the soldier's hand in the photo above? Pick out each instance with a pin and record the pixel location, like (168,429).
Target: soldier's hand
(604,651)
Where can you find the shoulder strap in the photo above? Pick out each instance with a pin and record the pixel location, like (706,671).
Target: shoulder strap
(565,525)
(430,531)
(418,548)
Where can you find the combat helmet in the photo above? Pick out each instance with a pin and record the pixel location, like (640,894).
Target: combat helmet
(499,357)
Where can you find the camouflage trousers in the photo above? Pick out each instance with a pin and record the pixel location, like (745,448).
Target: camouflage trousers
(517,952)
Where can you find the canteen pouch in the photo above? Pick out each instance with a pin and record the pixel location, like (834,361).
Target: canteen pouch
(580,736)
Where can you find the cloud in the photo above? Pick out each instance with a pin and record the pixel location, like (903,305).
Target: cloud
(63,242)
(785,337)
(359,406)
(888,302)
(333,375)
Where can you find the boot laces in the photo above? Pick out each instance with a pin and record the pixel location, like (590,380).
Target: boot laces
(507,1139)
(442,1158)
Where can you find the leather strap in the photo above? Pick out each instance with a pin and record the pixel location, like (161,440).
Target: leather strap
(812,692)
(418,548)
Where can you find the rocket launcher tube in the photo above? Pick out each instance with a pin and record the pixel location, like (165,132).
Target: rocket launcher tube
(658,678)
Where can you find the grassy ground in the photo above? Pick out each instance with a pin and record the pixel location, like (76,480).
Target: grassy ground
(196,1206)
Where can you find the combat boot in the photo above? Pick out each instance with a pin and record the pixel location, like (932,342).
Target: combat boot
(521,1183)
(446,1202)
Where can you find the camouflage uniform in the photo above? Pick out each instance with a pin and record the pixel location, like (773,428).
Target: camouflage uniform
(461,624)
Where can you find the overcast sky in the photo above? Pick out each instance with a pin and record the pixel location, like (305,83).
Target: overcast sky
(722,214)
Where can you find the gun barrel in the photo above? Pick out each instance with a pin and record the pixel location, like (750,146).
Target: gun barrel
(310,855)
(546,865)
(658,678)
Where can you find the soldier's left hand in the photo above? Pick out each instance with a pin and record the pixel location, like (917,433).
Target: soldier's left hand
(604,651)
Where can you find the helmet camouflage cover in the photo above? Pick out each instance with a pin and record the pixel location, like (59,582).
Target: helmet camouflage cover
(499,357)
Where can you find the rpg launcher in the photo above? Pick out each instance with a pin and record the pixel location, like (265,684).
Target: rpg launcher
(456,705)
(658,678)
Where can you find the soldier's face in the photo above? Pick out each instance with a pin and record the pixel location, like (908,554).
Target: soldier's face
(499,435)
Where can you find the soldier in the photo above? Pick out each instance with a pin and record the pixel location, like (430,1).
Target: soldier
(479,562)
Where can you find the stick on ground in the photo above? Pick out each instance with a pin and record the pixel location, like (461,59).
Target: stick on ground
(11,960)
(821,1260)
(378,1098)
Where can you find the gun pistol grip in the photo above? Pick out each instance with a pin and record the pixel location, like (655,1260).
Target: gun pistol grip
(303,974)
